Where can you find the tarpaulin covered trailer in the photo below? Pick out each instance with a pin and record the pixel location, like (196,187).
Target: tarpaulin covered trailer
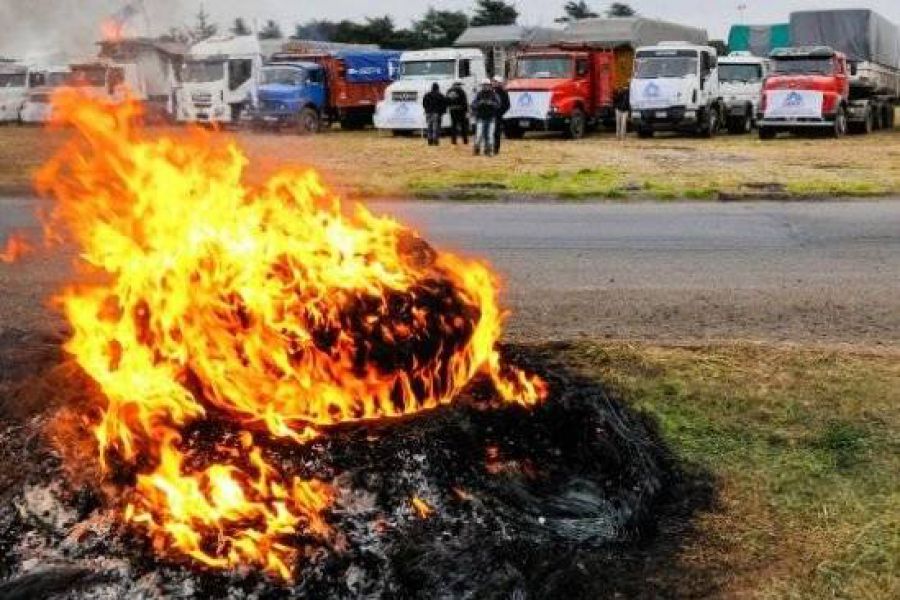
(759,40)
(632,32)
(863,35)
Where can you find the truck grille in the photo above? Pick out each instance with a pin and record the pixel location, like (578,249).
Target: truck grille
(202,99)
(405,96)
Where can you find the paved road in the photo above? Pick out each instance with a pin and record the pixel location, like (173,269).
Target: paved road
(811,272)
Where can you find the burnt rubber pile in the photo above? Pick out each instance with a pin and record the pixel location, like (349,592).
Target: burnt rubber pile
(458,502)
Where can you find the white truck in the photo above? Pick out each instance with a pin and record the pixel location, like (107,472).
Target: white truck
(220,80)
(741,77)
(16,80)
(401,110)
(676,88)
(45,80)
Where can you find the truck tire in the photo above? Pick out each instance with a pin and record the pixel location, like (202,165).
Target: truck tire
(767,133)
(711,123)
(739,125)
(840,123)
(513,131)
(645,133)
(308,122)
(577,125)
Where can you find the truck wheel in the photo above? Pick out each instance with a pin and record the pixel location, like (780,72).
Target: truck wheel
(840,123)
(766,133)
(645,133)
(308,122)
(577,125)
(514,132)
(738,125)
(708,129)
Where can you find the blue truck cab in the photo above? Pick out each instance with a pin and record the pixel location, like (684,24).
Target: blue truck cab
(292,94)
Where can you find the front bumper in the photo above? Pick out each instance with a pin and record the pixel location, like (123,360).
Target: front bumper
(36,112)
(676,117)
(802,123)
(551,123)
(204,113)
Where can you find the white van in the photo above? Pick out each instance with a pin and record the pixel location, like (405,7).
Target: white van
(45,81)
(16,81)
(401,110)
(220,79)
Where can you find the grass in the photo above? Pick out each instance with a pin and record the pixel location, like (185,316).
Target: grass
(370,164)
(805,447)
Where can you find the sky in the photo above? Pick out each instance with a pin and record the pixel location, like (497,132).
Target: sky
(44,26)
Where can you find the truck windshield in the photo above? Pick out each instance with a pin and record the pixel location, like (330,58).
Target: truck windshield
(545,67)
(56,79)
(12,80)
(283,76)
(204,71)
(665,67)
(88,77)
(428,68)
(732,73)
(789,66)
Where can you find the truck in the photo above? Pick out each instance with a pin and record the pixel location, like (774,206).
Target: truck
(150,68)
(401,111)
(676,88)
(569,86)
(842,75)
(219,80)
(741,77)
(304,90)
(16,80)
(37,107)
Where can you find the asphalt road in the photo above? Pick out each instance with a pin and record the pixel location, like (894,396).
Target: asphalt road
(809,272)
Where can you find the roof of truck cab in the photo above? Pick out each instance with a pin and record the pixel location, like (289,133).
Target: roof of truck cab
(441,54)
(742,59)
(230,44)
(298,64)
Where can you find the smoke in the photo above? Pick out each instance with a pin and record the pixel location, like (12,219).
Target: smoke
(57,30)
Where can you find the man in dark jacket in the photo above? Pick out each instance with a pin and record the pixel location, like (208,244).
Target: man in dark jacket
(435,105)
(622,103)
(503,97)
(486,108)
(458,103)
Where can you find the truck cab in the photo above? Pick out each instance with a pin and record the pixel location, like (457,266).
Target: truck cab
(291,94)
(105,80)
(808,89)
(741,77)
(45,81)
(676,88)
(15,83)
(553,90)
(220,79)
(401,109)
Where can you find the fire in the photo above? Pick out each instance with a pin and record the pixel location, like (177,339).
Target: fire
(274,308)
(16,248)
(421,507)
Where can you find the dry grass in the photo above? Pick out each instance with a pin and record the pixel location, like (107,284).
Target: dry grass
(370,164)
(805,448)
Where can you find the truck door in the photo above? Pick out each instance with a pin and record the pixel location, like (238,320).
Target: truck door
(316,88)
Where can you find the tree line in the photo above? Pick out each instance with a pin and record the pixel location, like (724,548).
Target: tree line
(434,28)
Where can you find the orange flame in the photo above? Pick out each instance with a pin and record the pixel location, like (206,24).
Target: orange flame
(273,306)
(16,248)
(422,509)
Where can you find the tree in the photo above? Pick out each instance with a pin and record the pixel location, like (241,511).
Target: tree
(494,12)
(203,28)
(271,31)
(620,9)
(176,34)
(240,27)
(440,27)
(575,11)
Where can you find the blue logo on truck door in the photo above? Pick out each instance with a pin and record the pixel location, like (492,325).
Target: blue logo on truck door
(525,100)
(652,90)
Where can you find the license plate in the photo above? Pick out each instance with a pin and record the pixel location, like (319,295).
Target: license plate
(524,123)
(661,114)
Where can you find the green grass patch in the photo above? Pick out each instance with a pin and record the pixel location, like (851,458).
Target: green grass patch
(806,446)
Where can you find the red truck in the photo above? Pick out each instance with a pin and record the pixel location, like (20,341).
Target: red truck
(566,90)
(843,75)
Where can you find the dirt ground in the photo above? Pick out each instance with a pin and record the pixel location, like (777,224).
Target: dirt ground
(373,164)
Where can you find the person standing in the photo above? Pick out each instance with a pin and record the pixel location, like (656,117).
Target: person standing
(486,108)
(435,105)
(503,97)
(622,104)
(458,104)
